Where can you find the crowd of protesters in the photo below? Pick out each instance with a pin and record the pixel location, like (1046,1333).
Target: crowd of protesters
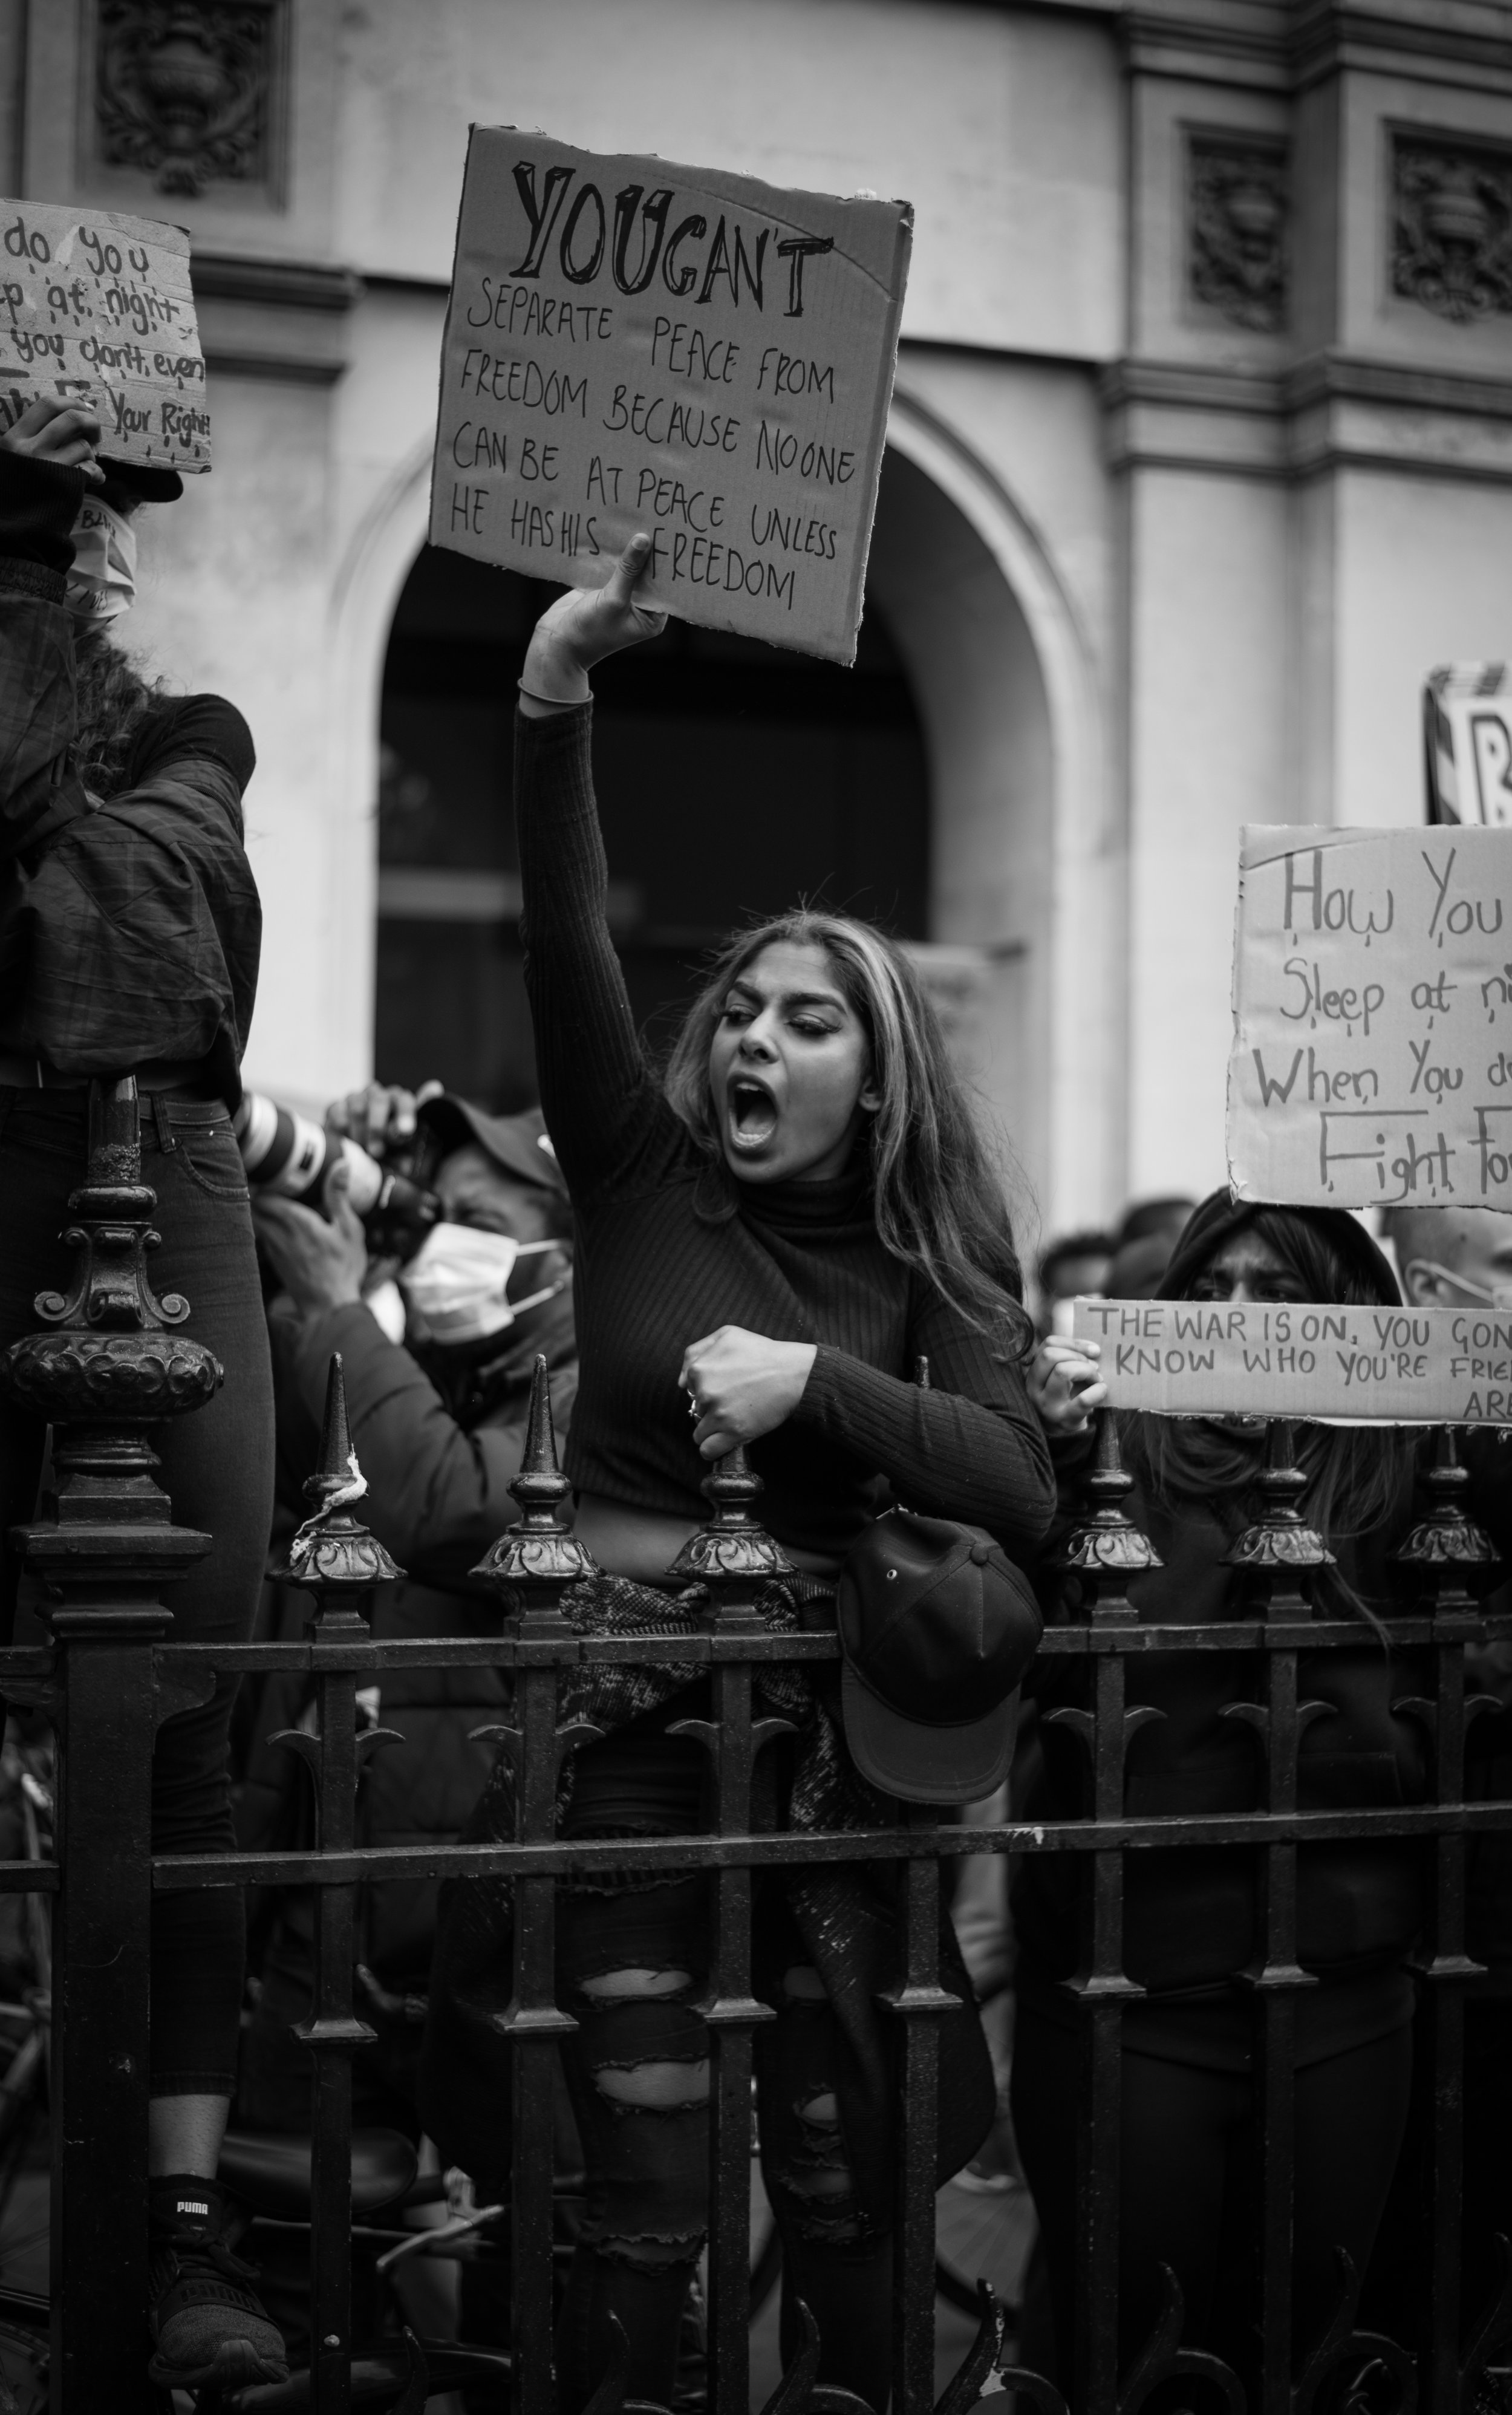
(793,1240)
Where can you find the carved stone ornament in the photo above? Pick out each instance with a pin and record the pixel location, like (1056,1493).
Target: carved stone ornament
(1238,206)
(1451,238)
(185,90)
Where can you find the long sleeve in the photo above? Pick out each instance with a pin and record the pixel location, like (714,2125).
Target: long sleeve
(969,1447)
(597,1092)
(39,795)
(438,1495)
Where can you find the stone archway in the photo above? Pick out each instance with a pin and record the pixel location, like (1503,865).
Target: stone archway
(1027,859)
(1026,889)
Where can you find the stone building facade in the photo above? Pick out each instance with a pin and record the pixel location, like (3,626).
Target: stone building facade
(1200,460)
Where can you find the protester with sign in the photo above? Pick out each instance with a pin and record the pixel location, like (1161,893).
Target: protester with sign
(1188,2153)
(766,1245)
(129,928)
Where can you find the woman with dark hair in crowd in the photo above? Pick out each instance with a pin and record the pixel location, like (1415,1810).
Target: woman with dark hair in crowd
(129,929)
(770,1239)
(1188,2167)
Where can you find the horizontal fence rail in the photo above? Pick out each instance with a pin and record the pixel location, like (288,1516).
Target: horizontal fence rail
(111,1671)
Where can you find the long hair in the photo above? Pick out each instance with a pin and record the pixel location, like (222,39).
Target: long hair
(938,1205)
(1357,1474)
(113,702)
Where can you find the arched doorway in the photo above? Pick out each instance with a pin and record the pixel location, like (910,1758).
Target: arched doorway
(732,779)
(989,835)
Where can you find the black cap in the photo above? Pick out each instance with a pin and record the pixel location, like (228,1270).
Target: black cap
(938,1628)
(519,1145)
(138,482)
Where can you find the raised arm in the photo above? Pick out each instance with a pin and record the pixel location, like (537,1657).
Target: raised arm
(595,1086)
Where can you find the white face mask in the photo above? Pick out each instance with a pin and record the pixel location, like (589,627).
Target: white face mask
(1498,1296)
(457,1285)
(103,580)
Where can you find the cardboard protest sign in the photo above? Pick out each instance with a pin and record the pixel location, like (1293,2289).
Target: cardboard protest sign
(1363,1366)
(1467,725)
(98,309)
(1372,1063)
(635,345)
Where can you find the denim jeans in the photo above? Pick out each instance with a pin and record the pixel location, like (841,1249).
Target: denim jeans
(633,1961)
(217,1471)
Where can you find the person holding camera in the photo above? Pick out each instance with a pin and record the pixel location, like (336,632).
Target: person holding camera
(129,931)
(437,1395)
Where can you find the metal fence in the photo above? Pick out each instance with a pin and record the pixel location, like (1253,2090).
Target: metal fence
(113,1360)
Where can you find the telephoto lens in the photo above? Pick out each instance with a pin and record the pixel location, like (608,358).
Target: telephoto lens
(290,1155)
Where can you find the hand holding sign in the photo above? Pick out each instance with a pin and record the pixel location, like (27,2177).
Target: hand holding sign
(586,624)
(65,433)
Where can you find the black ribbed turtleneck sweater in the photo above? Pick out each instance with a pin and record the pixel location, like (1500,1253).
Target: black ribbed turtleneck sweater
(669,1247)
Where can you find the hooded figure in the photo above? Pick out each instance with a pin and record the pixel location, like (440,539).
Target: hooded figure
(1192,1931)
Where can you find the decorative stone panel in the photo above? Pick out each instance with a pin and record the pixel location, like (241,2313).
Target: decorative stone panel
(1451,225)
(1238,204)
(191,93)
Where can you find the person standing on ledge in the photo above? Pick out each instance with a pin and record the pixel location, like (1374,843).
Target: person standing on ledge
(129,931)
(768,1241)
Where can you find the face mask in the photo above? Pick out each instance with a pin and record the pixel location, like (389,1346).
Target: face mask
(1499,1295)
(457,1285)
(103,580)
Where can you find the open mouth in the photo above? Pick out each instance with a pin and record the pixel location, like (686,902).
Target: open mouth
(751,1114)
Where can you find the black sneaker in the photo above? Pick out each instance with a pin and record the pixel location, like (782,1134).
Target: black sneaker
(208,2326)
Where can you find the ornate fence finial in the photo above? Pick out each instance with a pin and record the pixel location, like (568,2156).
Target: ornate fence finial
(734,1543)
(1108,1543)
(106,1369)
(109,1356)
(1281,1537)
(543,1547)
(333,1548)
(1448,1537)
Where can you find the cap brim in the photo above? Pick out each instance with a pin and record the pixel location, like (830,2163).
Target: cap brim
(456,1122)
(922,1763)
(146,480)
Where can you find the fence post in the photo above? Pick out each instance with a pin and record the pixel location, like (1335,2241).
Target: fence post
(1279,1549)
(107,1367)
(1440,1549)
(533,1564)
(732,1555)
(336,1559)
(1104,1550)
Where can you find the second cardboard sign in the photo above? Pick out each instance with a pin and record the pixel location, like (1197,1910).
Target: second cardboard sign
(635,345)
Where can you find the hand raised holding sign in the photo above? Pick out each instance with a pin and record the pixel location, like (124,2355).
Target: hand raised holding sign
(581,627)
(65,433)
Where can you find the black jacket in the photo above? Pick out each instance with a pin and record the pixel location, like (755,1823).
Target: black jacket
(438,1495)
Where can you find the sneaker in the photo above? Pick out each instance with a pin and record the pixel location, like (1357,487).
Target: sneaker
(208,2326)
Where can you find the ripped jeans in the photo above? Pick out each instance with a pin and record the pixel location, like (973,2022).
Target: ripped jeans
(632,1966)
